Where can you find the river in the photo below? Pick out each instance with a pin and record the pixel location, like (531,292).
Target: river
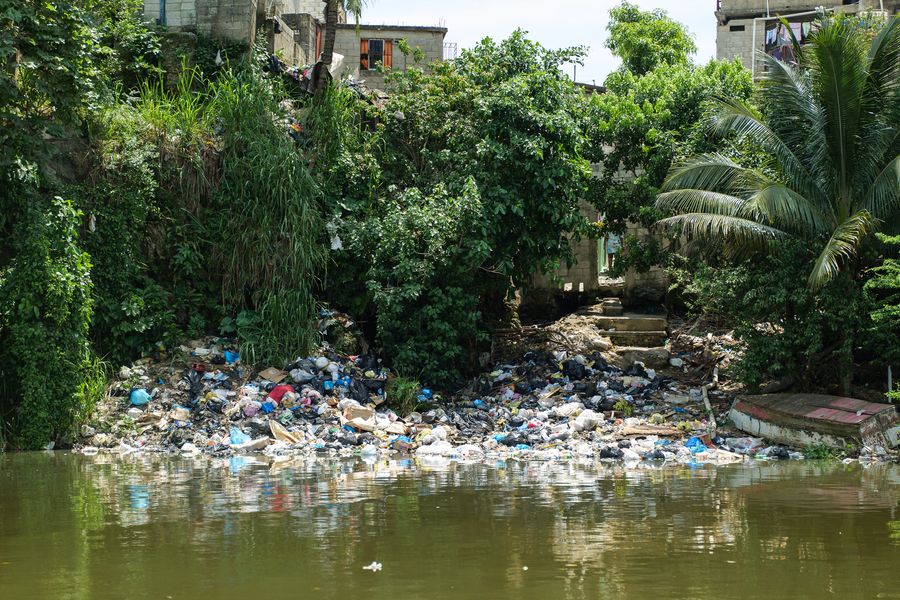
(245,528)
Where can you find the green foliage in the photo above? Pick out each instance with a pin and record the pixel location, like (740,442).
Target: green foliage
(132,311)
(422,265)
(786,329)
(266,219)
(126,51)
(403,394)
(45,314)
(882,290)
(504,116)
(820,452)
(894,395)
(624,407)
(646,40)
(648,119)
(46,78)
(832,154)
(463,184)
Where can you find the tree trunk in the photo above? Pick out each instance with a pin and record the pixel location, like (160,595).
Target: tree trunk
(321,72)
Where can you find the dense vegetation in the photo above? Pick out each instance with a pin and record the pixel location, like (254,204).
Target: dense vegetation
(828,180)
(146,199)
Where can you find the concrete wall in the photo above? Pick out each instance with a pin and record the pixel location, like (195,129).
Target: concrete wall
(316,8)
(583,275)
(734,33)
(234,20)
(180,14)
(283,44)
(430,39)
(303,26)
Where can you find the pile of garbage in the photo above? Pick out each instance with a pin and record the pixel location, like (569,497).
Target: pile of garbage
(549,405)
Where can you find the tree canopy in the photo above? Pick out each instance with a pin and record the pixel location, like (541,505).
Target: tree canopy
(645,40)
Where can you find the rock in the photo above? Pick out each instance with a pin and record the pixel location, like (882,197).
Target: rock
(676,362)
(103,440)
(655,358)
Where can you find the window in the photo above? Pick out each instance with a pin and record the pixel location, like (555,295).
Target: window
(372,52)
(736,28)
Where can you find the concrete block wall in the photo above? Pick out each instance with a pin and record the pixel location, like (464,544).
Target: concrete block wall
(784,6)
(180,14)
(644,287)
(430,40)
(233,20)
(735,40)
(304,31)
(228,19)
(283,44)
(583,275)
(736,18)
(315,8)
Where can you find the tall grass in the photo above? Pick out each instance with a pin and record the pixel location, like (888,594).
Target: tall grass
(270,209)
(183,120)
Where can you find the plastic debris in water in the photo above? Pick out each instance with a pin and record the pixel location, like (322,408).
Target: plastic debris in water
(375,566)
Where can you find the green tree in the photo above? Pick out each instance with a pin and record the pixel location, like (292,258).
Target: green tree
(883,292)
(477,173)
(645,40)
(832,142)
(648,118)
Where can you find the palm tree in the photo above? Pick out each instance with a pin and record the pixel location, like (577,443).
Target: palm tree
(332,7)
(831,173)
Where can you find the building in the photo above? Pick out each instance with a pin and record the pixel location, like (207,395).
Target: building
(747,27)
(295,30)
(234,20)
(365,46)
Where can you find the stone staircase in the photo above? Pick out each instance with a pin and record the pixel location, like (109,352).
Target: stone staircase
(627,328)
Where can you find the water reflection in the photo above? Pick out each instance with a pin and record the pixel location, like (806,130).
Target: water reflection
(153,527)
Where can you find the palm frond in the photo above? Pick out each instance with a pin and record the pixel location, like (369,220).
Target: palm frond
(797,117)
(786,209)
(706,172)
(736,116)
(883,197)
(841,246)
(686,200)
(883,63)
(742,236)
(837,64)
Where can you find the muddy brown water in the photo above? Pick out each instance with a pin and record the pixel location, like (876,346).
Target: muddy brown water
(76,527)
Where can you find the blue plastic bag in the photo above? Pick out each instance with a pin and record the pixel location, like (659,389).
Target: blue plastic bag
(695,445)
(139,397)
(238,437)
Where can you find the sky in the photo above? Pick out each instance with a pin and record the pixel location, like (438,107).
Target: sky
(553,24)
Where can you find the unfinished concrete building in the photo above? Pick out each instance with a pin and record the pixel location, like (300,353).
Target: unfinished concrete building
(747,27)
(295,29)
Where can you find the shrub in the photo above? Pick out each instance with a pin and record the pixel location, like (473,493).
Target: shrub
(787,330)
(45,314)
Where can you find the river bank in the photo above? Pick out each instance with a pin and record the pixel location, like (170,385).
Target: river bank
(550,404)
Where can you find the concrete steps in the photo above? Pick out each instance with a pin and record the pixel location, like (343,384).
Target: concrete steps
(630,329)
